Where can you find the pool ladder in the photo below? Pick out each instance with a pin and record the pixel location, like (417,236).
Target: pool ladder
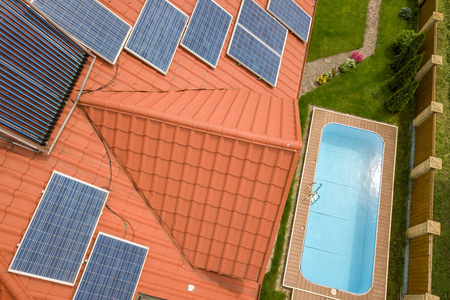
(314,196)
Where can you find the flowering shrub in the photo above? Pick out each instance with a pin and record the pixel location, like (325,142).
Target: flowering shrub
(351,62)
(357,56)
(322,79)
(333,72)
(347,65)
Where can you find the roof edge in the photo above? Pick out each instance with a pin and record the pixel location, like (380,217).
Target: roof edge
(284,199)
(289,145)
(299,89)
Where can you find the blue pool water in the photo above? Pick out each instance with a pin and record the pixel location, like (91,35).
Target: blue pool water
(339,246)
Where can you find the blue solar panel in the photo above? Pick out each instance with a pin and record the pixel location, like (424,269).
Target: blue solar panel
(291,15)
(113,269)
(156,34)
(258,42)
(262,25)
(59,233)
(89,22)
(251,51)
(207,30)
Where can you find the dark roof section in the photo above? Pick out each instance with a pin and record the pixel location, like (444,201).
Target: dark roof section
(40,67)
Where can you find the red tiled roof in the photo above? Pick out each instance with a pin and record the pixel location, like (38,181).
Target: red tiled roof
(240,114)
(80,153)
(204,163)
(219,191)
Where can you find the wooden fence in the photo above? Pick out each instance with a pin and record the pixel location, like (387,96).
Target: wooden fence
(425,163)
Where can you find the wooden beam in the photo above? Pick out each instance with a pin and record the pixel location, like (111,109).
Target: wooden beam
(434,107)
(428,227)
(421,297)
(436,17)
(434,60)
(431,163)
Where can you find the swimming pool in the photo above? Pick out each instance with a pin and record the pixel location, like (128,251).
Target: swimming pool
(339,246)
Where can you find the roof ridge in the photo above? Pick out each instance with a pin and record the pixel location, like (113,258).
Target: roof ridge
(202,126)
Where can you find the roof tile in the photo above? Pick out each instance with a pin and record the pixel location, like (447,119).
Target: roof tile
(212,151)
(22,187)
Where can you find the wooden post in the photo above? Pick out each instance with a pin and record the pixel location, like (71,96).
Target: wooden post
(421,297)
(428,227)
(431,163)
(434,60)
(436,17)
(434,107)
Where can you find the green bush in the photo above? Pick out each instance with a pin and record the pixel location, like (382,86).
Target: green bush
(400,98)
(403,40)
(405,13)
(406,74)
(347,65)
(408,53)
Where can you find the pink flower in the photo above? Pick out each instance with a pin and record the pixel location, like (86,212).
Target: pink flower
(357,56)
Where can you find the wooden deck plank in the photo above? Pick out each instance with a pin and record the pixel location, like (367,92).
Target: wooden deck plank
(294,277)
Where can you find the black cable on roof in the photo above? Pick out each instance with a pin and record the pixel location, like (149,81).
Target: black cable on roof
(125,221)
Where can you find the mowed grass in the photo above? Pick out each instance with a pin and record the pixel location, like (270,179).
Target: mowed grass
(441,244)
(338,27)
(362,92)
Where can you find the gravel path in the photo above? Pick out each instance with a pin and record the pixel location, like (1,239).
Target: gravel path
(315,68)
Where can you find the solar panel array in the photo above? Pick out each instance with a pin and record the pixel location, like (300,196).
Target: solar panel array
(207,30)
(113,269)
(258,42)
(39,67)
(57,238)
(89,22)
(291,15)
(157,33)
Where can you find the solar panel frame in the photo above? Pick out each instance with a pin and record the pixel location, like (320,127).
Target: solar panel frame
(273,84)
(88,272)
(213,65)
(285,23)
(261,70)
(41,203)
(266,27)
(140,57)
(84,44)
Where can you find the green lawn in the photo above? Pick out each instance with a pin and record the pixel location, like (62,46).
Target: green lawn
(338,27)
(441,247)
(362,92)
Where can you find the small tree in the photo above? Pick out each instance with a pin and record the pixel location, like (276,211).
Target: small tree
(408,53)
(403,40)
(399,99)
(405,13)
(406,74)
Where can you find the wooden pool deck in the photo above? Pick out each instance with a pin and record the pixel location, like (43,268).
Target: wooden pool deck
(293,278)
